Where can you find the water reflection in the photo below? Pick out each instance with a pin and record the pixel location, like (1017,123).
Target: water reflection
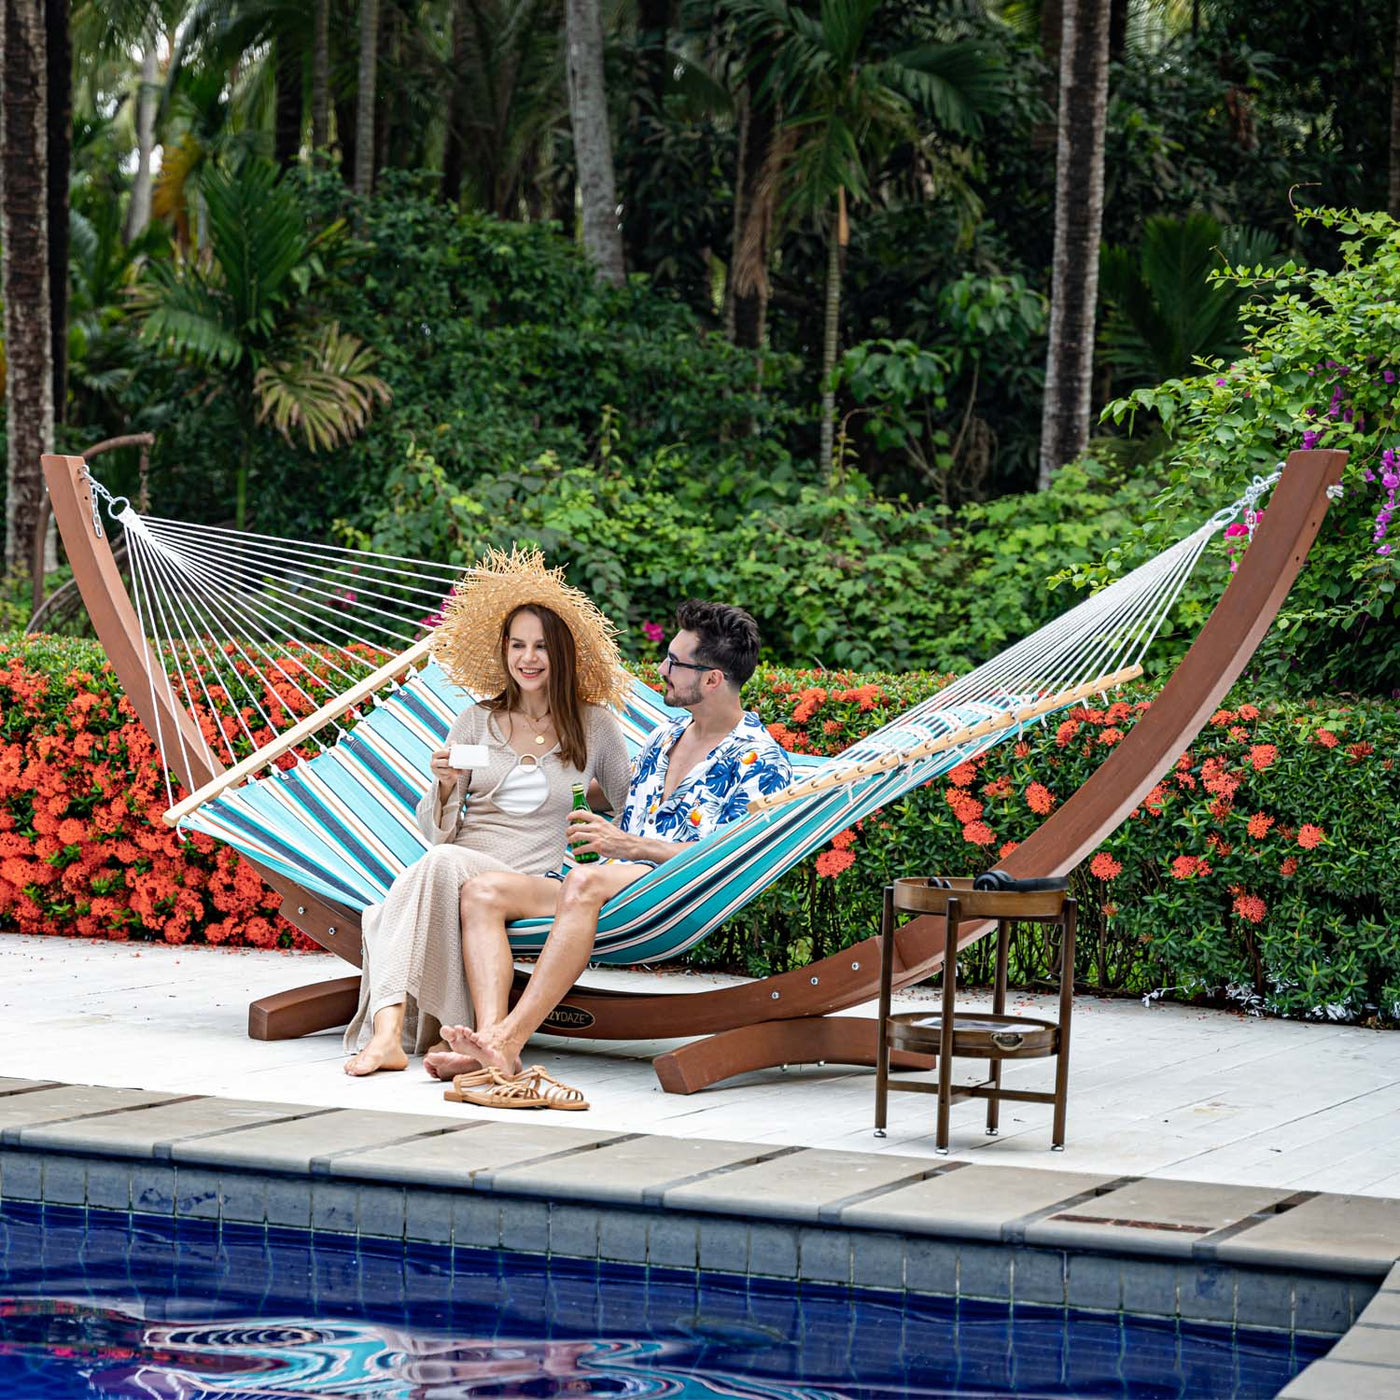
(91,1304)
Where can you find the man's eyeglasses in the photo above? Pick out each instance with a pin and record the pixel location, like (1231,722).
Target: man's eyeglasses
(673,661)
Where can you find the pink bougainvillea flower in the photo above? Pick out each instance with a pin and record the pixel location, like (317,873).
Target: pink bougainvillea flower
(653,631)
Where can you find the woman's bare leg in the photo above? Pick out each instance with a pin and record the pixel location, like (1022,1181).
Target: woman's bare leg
(563,957)
(490,901)
(385,1048)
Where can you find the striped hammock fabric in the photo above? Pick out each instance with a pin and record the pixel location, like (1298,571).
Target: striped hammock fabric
(342,824)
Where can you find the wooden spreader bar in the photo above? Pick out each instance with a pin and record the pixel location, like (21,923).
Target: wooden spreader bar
(955,739)
(302,729)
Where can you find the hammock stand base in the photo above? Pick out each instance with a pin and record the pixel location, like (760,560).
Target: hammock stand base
(786,1018)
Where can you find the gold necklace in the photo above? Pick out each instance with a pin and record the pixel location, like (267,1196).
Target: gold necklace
(539,731)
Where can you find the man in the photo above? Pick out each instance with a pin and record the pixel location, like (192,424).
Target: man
(692,777)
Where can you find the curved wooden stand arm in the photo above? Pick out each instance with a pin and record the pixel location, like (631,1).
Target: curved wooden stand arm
(114,620)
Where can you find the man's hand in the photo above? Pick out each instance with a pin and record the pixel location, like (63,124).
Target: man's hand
(588,832)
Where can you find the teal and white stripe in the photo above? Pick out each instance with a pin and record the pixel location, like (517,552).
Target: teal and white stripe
(342,824)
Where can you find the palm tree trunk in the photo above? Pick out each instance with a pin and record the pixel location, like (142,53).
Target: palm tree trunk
(364,97)
(25,272)
(454,148)
(831,333)
(1392,203)
(1064,427)
(593,156)
(387,126)
(286,136)
(321,77)
(59,47)
(138,211)
(753,218)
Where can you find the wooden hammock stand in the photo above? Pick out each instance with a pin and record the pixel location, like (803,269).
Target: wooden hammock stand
(786,1018)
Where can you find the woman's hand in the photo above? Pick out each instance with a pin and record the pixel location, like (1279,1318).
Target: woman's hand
(441,768)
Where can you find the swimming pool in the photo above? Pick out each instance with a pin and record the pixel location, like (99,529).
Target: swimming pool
(102,1303)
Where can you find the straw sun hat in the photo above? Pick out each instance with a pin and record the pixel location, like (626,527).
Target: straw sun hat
(467,643)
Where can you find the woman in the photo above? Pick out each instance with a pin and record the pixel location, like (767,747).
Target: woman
(516,632)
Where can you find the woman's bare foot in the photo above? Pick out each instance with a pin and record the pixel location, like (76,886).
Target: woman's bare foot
(378,1054)
(481,1046)
(444,1064)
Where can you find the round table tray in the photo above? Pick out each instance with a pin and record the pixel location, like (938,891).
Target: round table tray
(976,1034)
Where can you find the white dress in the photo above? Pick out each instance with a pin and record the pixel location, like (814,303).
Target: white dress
(412,942)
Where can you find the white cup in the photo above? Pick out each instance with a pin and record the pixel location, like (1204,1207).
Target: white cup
(469,756)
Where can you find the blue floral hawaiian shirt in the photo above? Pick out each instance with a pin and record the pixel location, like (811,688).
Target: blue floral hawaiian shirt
(746,763)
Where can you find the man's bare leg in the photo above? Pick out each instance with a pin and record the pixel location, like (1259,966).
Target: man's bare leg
(385,1048)
(562,959)
(489,901)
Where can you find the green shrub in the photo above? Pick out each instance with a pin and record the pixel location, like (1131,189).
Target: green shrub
(834,575)
(1322,369)
(1264,867)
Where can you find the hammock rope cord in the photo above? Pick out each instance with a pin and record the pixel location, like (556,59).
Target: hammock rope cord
(251,619)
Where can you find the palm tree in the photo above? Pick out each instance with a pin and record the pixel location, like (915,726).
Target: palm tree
(24,233)
(507,101)
(239,310)
(58,49)
(364,97)
(1069,361)
(321,76)
(593,154)
(845,108)
(1393,187)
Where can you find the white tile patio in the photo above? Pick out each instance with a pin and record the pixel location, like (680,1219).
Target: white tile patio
(1159,1091)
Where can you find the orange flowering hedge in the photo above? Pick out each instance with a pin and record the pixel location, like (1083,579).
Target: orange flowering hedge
(1265,866)
(82,847)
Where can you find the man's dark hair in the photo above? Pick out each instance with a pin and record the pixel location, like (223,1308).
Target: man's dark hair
(729,637)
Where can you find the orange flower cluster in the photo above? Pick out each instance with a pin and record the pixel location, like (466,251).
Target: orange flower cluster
(1039,799)
(83,849)
(1310,836)
(1105,867)
(1250,907)
(830,864)
(1190,867)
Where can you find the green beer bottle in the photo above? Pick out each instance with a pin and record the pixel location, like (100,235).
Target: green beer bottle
(581,805)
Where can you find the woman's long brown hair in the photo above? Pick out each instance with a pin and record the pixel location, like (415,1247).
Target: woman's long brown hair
(565,708)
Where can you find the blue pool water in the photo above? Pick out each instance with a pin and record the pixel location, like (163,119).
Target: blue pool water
(95,1304)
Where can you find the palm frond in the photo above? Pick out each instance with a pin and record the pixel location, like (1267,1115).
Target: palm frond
(188,319)
(958,82)
(257,234)
(325,393)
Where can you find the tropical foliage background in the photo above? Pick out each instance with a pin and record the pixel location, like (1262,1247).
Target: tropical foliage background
(763,299)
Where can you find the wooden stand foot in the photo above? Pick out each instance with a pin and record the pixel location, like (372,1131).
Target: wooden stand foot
(302,1010)
(840,1040)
